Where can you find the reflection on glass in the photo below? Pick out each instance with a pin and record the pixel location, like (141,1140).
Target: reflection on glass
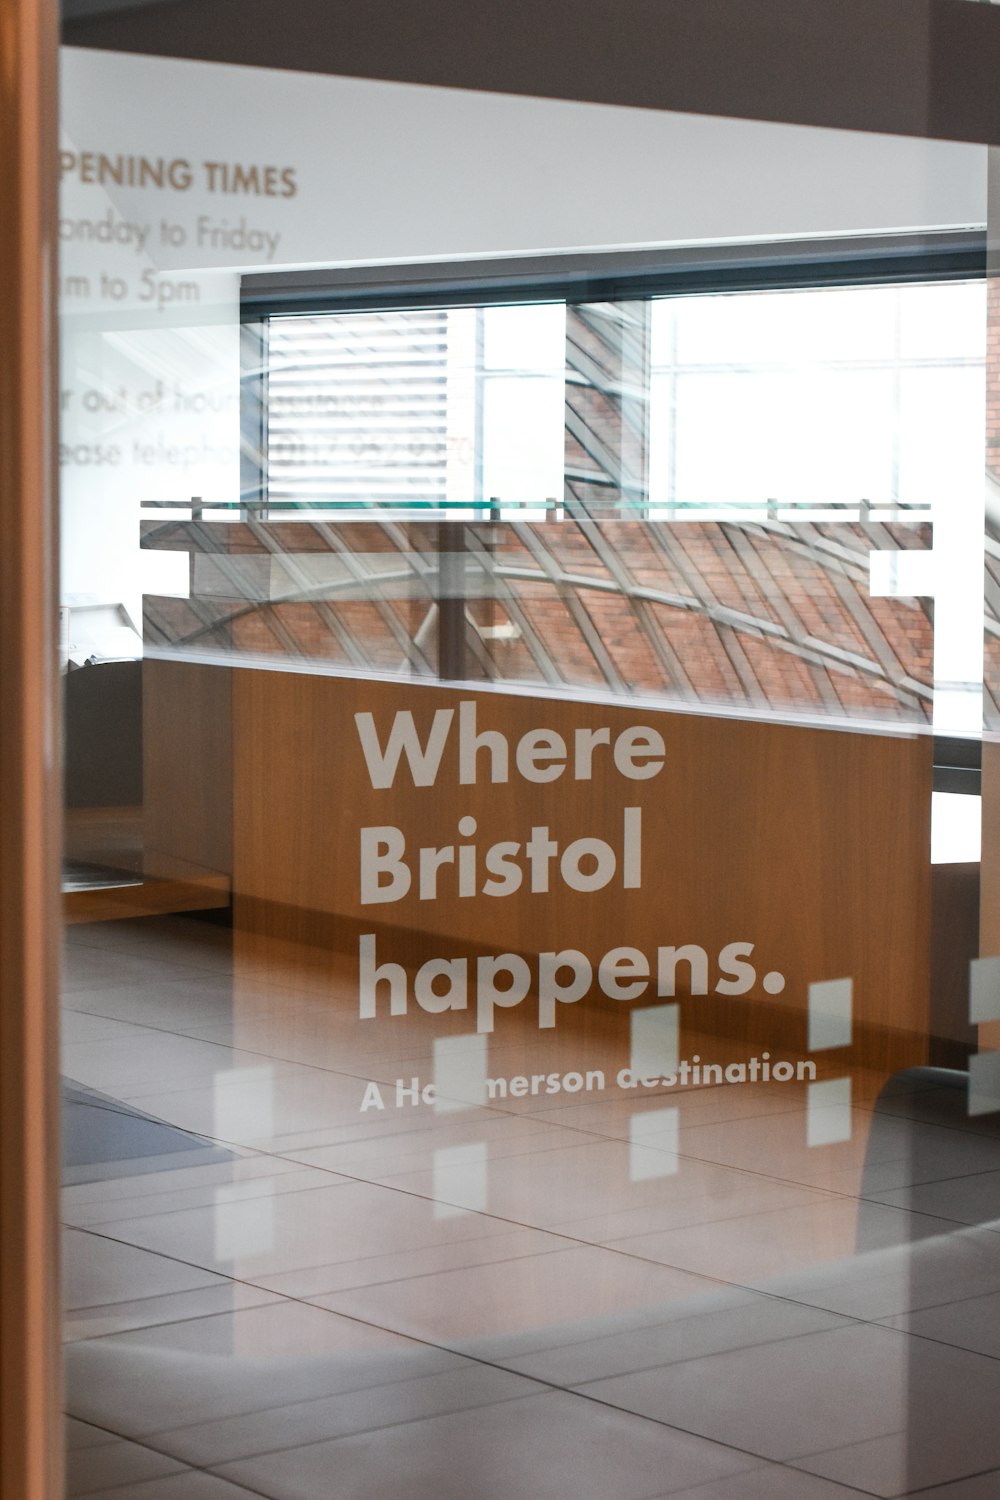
(750,459)
(570,1083)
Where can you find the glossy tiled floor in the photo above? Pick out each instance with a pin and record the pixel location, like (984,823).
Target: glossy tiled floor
(278,1293)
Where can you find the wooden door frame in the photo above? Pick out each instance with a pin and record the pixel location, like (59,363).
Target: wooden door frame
(30,1385)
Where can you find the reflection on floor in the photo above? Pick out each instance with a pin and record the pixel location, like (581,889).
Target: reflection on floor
(711,1293)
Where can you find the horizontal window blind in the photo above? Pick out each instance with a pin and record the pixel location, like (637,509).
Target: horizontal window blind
(358,408)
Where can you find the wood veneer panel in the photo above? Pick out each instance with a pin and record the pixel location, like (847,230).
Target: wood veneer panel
(810,843)
(187,770)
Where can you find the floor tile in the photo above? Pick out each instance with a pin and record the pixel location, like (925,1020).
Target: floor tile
(933,1102)
(949,1428)
(83,1435)
(781,1399)
(542,1294)
(152,1062)
(553,1447)
(769,1482)
(973,1323)
(281,1108)
(461,1388)
(240,1164)
(209,1368)
(99,1271)
(173,939)
(699,1193)
(187,1485)
(601,1180)
(81,1026)
(397,1153)
(356,1303)
(757,1246)
(114,1464)
(970,1199)
(89,971)
(979,1487)
(907,1151)
(687,1331)
(423,1260)
(701,1106)
(835,1403)
(902,1278)
(345,1221)
(177,1188)
(176,1307)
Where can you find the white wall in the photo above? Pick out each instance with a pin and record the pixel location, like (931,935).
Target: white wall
(383,172)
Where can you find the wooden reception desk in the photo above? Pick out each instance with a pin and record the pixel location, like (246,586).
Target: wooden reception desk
(811,845)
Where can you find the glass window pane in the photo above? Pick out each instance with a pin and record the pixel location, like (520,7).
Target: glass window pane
(513,958)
